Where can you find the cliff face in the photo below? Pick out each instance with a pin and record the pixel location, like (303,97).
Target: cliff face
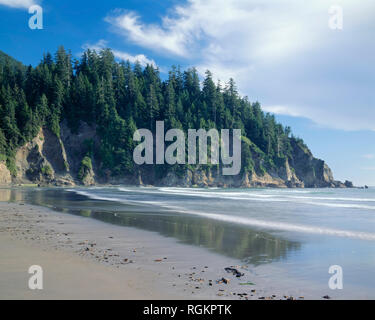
(63,161)
(52,160)
(5,177)
(313,172)
(43,161)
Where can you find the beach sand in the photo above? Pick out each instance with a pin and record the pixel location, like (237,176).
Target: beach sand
(86,259)
(66,276)
(83,258)
(37,236)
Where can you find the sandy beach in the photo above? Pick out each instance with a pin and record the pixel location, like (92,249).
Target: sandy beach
(34,236)
(66,276)
(86,259)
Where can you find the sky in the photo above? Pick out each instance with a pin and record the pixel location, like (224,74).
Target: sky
(303,61)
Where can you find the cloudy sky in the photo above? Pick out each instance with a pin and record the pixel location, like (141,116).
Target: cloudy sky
(283,53)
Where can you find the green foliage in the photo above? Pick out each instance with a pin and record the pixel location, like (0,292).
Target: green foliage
(11,165)
(117,98)
(47,170)
(86,166)
(247,161)
(262,171)
(3,143)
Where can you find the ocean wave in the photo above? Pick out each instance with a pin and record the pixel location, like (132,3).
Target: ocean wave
(279,225)
(334,198)
(273,225)
(124,189)
(94,196)
(342,205)
(254,197)
(278,198)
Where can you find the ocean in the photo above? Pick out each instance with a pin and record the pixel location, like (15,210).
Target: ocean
(298,232)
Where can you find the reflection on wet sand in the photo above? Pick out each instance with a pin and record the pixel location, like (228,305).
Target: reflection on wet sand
(5,194)
(241,242)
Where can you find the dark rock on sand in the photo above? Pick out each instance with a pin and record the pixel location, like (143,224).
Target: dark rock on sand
(234,271)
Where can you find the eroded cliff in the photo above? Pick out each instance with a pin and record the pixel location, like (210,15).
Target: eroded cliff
(72,159)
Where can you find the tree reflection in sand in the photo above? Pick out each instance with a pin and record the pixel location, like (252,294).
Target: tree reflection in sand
(241,242)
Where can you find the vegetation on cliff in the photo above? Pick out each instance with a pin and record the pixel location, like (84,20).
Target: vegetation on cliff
(117,98)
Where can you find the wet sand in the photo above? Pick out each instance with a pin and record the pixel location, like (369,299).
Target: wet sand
(87,259)
(66,276)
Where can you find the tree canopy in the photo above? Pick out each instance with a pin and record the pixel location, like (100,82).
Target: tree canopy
(118,98)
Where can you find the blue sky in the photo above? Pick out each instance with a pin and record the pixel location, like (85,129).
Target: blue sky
(281,52)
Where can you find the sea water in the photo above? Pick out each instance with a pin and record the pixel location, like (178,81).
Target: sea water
(299,231)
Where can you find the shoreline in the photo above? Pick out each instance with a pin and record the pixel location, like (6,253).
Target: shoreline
(83,258)
(131,264)
(193,186)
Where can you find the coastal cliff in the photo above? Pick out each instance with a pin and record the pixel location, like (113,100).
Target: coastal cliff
(65,123)
(60,161)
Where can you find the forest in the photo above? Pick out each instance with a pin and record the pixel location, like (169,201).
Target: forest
(118,97)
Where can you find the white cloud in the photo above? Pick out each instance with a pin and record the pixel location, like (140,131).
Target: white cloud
(369,156)
(280,52)
(294,112)
(238,21)
(100,45)
(141,58)
(18,3)
(171,37)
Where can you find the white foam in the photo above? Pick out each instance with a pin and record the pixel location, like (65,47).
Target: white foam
(124,189)
(94,196)
(275,225)
(342,205)
(273,198)
(280,225)
(333,198)
(119,200)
